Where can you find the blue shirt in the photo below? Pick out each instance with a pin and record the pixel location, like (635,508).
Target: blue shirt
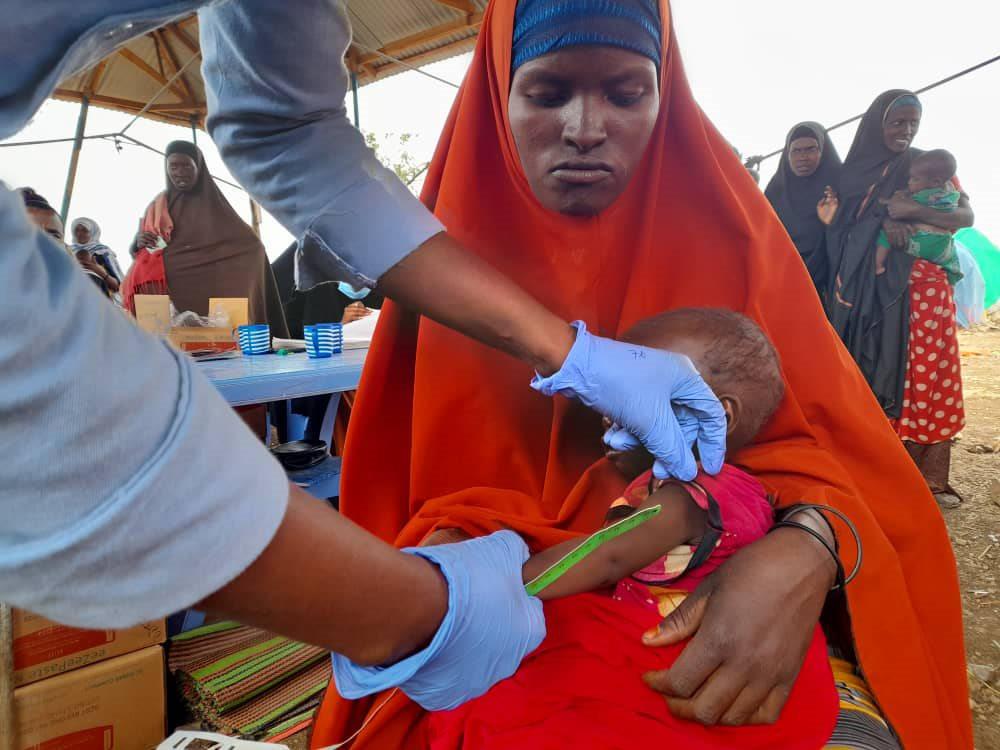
(128,488)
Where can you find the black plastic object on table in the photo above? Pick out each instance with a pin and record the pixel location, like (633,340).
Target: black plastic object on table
(300,454)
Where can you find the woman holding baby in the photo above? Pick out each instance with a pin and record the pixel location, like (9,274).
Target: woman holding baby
(577,127)
(896,312)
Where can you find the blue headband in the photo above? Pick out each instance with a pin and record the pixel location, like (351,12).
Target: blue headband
(903,100)
(544,26)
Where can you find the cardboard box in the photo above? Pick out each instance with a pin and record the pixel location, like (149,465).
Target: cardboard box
(237,309)
(43,648)
(203,339)
(152,313)
(119,704)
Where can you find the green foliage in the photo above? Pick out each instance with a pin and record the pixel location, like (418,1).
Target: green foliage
(392,152)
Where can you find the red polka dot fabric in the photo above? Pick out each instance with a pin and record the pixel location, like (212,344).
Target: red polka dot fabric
(933,410)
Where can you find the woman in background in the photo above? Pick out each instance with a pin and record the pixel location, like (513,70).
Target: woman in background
(329,302)
(192,245)
(810,168)
(898,325)
(42,214)
(48,220)
(86,234)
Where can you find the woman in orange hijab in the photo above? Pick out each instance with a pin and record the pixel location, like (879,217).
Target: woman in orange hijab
(624,201)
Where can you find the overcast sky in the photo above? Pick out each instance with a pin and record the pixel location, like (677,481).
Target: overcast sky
(756,69)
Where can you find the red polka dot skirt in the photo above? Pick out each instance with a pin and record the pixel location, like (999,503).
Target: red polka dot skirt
(933,410)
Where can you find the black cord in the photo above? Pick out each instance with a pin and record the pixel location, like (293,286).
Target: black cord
(849,120)
(840,580)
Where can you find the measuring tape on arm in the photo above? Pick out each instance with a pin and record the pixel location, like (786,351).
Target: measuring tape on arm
(549,576)
(559,568)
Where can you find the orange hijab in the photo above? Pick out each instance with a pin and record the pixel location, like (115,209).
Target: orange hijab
(446,432)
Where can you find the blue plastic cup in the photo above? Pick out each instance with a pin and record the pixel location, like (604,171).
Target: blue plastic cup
(255,339)
(324,339)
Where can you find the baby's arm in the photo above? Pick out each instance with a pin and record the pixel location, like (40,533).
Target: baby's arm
(915,213)
(881,256)
(679,521)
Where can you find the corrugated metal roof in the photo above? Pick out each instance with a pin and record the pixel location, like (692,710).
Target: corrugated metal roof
(389,35)
(417,32)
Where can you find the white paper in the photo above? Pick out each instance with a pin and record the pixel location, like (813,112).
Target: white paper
(358,334)
(181,740)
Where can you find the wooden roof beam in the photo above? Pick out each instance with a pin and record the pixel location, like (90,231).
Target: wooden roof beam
(95,77)
(173,66)
(186,40)
(118,102)
(353,61)
(177,116)
(152,72)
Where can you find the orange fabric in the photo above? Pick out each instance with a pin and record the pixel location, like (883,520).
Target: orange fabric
(342,422)
(446,432)
(148,274)
(157,218)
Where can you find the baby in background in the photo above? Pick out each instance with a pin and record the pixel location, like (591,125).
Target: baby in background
(571,688)
(931,175)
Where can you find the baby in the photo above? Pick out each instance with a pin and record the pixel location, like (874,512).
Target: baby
(931,175)
(685,542)
(584,678)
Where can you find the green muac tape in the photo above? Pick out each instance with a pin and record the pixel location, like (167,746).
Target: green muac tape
(558,569)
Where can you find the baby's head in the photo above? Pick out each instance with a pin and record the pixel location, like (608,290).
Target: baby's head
(735,358)
(932,169)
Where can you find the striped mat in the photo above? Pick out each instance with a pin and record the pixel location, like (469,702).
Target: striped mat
(248,682)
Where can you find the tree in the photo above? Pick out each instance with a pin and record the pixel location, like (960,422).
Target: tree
(400,161)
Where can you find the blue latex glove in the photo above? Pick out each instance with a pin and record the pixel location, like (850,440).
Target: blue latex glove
(491,625)
(654,397)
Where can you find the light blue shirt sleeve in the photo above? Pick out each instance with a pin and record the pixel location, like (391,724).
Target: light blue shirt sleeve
(276,85)
(128,488)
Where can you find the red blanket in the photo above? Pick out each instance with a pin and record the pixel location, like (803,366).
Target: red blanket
(582,688)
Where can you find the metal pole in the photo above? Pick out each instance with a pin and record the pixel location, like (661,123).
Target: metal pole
(194,130)
(74,159)
(255,216)
(357,109)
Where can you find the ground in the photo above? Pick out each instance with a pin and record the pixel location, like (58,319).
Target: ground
(975,526)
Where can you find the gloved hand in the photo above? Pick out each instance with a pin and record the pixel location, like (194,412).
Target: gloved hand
(653,396)
(490,626)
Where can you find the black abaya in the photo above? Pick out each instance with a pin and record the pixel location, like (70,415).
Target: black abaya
(871,312)
(795,198)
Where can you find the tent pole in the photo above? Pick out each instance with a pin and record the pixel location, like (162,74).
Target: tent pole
(194,130)
(255,216)
(357,109)
(74,159)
